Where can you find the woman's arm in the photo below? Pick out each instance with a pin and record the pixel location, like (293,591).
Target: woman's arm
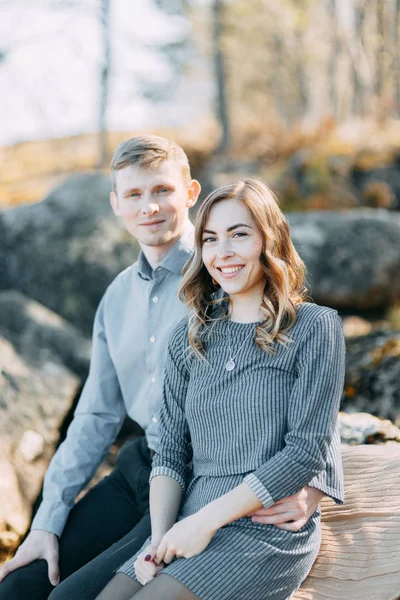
(165,499)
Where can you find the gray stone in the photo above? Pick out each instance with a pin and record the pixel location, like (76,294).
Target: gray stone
(40,334)
(363,428)
(372,381)
(353,257)
(35,397)
(65,250)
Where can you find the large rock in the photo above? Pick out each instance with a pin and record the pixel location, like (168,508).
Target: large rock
(353,257)
(40,334)
(372,381)
(36,393)
(363,428)
(65,250)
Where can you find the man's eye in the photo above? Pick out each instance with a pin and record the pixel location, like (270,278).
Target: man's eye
(162,191)
(133,195)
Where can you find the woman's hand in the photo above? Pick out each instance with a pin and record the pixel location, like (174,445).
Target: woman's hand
(185,539)
(145,567)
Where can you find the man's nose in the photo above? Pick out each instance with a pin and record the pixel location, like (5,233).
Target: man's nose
(150,208)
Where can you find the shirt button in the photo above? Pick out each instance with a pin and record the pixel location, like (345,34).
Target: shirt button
(153,380)
(155,299)
(152,339)
(154,419)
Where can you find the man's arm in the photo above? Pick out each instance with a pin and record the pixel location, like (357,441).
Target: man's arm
(97,421)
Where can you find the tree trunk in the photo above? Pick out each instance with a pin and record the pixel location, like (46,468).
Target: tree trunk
(397,59)
(358,83)
(380,51)
(222,105)
(104,82)
(333,58)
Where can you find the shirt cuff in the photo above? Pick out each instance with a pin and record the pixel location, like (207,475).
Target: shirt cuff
(338,498)
(259,489)
(169,473)
(51,517)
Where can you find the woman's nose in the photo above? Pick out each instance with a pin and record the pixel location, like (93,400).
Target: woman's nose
(225,250)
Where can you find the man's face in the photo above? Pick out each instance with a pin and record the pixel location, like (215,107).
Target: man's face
(153,203)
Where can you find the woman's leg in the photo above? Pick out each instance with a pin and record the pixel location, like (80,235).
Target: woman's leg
(162,587)
(121,587)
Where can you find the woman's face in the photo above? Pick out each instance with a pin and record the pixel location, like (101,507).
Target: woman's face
(232,246)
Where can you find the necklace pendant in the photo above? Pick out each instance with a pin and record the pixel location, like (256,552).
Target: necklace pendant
(230,365)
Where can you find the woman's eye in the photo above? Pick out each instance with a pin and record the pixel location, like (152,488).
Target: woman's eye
(240,234)
(208,239)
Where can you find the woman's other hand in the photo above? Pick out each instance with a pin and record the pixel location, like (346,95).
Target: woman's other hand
(145,567)
(185,539)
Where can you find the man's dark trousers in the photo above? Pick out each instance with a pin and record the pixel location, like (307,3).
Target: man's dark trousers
(103,530)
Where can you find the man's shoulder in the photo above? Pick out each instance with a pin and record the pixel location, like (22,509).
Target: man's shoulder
(123,279)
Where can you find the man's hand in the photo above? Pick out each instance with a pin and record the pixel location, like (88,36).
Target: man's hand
(290,513)
(39,544)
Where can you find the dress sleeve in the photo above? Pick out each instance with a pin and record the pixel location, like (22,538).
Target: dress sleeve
(313,407)
(174,451)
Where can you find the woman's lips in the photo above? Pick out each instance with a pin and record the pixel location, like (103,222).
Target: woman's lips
(230,271)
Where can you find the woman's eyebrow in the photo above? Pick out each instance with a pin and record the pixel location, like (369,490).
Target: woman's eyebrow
(231,228)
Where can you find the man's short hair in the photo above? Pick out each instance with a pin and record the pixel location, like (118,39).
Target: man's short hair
(149,152)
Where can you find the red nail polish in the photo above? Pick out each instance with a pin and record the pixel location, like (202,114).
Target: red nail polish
(147,557)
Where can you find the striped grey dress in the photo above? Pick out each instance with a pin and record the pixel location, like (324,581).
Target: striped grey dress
(270,422)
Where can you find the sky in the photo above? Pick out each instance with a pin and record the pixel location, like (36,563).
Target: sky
(50,56)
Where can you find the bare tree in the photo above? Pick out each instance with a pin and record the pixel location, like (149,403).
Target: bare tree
(104,81)
(222,105)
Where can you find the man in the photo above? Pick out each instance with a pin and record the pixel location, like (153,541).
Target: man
(83,544)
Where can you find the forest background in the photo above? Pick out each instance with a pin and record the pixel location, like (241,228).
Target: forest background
(304,93)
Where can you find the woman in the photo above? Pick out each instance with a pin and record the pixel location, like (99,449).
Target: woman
(252,387)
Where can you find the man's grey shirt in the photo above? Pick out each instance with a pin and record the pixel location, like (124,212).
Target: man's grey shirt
(131,330)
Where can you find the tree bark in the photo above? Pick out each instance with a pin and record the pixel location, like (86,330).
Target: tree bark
(380,52)
(104,82)
(222,104)
(397,59)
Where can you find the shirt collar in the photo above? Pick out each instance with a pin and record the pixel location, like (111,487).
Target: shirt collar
(176,257)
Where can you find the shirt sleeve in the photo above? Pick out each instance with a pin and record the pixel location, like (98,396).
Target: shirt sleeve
(96,423)
(174,451)
(313,407)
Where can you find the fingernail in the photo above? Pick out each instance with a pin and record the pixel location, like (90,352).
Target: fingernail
(147,557)
(55,582)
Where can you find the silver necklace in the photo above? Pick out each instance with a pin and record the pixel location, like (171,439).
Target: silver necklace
(230,365)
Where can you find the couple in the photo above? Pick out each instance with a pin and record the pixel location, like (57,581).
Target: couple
(224,528)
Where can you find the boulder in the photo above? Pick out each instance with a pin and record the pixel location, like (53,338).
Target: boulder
(353,257)
(372,382)
(363,428)
(65,250)
(36,393)
(41,334)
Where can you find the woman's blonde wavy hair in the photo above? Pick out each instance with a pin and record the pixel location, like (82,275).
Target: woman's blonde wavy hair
(284,270)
